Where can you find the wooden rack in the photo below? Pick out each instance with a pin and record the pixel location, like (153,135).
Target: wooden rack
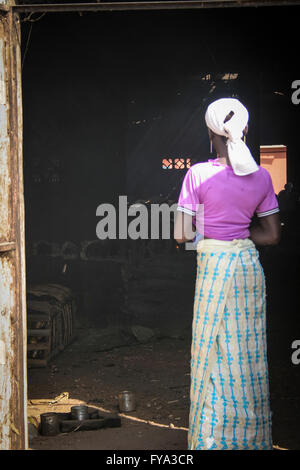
(50,316)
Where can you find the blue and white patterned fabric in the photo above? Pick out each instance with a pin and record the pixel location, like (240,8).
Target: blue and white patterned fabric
(229,372)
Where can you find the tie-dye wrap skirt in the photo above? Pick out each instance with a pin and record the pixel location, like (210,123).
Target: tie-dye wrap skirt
(229,391)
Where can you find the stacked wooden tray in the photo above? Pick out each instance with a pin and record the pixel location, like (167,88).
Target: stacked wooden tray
(50,316)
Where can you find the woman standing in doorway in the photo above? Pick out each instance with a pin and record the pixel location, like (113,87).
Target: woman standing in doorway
(229,394)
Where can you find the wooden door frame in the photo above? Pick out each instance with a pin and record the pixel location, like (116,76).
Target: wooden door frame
(13,422)
(14,359)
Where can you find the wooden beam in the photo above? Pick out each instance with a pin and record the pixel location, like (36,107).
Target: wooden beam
(163,5)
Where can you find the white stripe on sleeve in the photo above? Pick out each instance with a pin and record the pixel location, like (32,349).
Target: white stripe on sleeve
(270,212)
(187,211)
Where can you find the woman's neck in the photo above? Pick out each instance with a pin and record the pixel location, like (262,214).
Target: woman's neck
(220,147)
(224,160)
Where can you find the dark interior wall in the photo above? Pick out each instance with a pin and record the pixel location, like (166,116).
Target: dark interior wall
(107,95)
(88,79)
(73,119)
(166,120)
(168,98)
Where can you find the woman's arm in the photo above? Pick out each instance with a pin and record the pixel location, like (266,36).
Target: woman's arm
(267,232)
(184,230)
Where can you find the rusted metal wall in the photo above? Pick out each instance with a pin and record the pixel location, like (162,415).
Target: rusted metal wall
(13,383)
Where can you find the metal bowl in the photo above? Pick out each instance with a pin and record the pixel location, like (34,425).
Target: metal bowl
(79,412)
(127,401)
(49,424)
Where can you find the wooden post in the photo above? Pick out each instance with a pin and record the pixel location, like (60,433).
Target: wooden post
(13,336)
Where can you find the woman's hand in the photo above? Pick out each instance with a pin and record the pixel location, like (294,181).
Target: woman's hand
(268,230)
(184,230)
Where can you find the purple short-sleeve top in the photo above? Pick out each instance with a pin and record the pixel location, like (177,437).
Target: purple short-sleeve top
(229,201)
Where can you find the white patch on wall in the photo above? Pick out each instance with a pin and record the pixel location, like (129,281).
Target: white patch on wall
(2,353)
(2,75)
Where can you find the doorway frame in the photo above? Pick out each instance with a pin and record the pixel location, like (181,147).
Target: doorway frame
(14,426)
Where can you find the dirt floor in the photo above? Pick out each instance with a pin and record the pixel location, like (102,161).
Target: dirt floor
(96,367)
(86,372)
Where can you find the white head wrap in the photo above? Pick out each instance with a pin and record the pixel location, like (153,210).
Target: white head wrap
(239,154)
